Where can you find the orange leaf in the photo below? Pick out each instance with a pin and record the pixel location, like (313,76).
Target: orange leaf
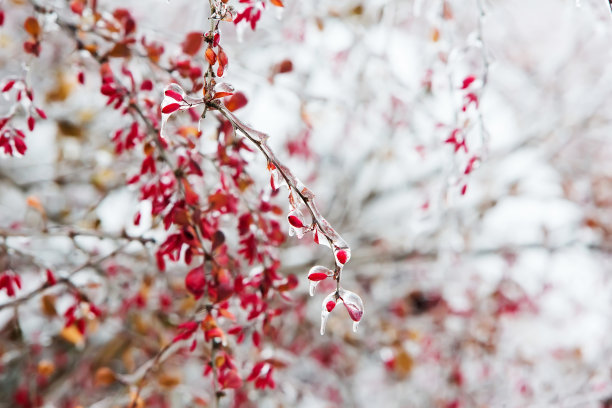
(191,197)
(227,314)
(169,380)
(277,3)
(193,42)
(104,376)
(211,57)
(72,335)
(222,94)
(120,50)
(32,27)
(35,203)
(435,35)
(236,101)
(46,368)
(186,131)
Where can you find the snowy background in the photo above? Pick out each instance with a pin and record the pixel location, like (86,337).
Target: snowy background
(484,289)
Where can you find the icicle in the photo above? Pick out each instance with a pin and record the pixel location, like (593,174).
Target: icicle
(328,305)
(324,316)
(313,285)
(355,325)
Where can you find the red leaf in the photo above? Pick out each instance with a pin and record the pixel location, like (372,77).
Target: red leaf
(285,66)
(107,89)
(195,281)
(317,276)
(256,370)
(8,86)
(231,380)
(256,339)
(146,85)
(50,278)
(77,6)
(41,113)
(468,81)
(330,305)
(295,221)
(31,123)
(174,95)
(173,107)
(20,145)
(222,57)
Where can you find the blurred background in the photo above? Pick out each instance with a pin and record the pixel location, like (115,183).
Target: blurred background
(462,149)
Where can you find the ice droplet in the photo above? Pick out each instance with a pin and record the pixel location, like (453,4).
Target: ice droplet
(355,325)
(324,316)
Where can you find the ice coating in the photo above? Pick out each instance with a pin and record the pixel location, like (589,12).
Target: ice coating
(319,238)
(260,139)
(224,87)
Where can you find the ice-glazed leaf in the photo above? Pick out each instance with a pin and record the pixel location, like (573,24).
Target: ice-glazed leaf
(318,273)
(353,304)
(342,255)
